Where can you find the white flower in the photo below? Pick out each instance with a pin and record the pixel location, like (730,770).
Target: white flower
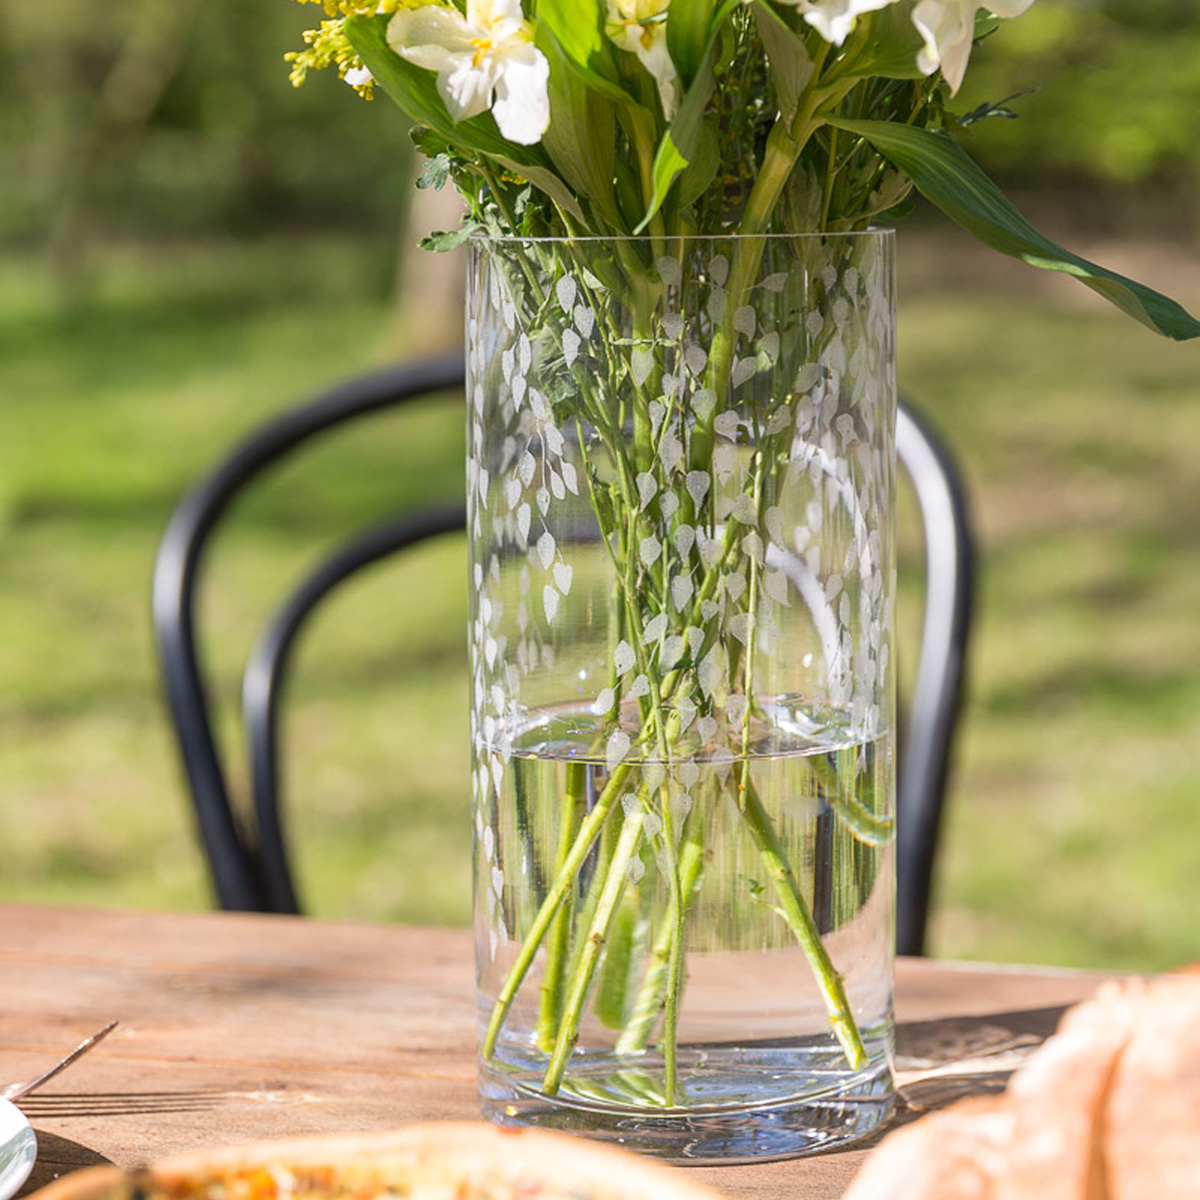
(948,27)
(484,60)
(833,19)
(358,77)
(640,27)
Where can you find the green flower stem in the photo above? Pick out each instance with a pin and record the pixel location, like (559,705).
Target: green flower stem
(587,912)
(752,609)
(670,1037)
(792,904)
(830,173)
(795,911)
(866,825)
(498,195)
(614,884)
(675,918)
(779,158)
(645,140)
(558,939)
(652,995)
(780,155)
(563,881)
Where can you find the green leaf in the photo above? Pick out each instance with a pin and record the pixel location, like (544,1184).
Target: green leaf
(985,23)
(697,178)
(450,239)
(547,181)
(581,140)
(618,971)
(679,143)
(992,109)
(945,175)
(578,28)
(576,25)
(436,173)
(415,90)
(791,66)
(689,24)
(668,162)
(892,46)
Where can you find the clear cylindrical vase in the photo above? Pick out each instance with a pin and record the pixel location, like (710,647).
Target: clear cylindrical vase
(681,465)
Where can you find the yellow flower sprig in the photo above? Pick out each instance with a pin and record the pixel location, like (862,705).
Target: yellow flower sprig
(349,8)
(328,46)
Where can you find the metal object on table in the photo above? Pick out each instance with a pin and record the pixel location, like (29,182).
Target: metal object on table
(13,1091)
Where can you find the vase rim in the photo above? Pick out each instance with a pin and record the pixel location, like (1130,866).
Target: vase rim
(878,233)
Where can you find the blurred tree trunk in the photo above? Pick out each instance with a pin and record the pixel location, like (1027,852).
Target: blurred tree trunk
(92,121)
(430,287)
(130,92)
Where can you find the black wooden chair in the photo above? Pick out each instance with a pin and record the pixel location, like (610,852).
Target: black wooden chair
(248,859)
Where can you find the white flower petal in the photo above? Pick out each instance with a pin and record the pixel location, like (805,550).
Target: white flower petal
(1009,8)
(501,18)
(656,58)
(484,60)
(466,89)
(948,30)
(522,107)
(833,19)
(631,27)
(432,57)
(428,31)
(358,77)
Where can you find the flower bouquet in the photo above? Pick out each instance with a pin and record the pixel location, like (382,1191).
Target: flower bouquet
(681,399)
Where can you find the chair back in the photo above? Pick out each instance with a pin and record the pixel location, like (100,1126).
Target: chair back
(249,865)
(933,709)
(249,861)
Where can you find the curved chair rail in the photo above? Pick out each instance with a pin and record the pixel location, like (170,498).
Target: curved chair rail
(937,697)
(249,860)
(235,852)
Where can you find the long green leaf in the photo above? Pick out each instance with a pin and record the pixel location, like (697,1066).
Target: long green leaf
(703,166)
(668,162)
(893,44)
(577,26)
(415,91)
(547,181)
(945,175)
(681,139)
(688,26)
(791,66)
(679,143)
(581,140)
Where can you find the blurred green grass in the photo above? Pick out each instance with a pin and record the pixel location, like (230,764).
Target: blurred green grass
(1072,830)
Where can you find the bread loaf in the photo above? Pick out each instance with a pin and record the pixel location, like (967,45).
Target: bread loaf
(1107,1109)
(440,1161)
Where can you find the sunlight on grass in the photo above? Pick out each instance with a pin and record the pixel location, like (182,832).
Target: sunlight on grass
(1068,838)
(1071,830)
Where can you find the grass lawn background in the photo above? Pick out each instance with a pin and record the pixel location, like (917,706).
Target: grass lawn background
(1074,818)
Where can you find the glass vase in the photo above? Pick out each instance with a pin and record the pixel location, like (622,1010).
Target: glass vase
(681,466)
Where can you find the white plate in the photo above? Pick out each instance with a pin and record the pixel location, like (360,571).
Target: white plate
(18,1149)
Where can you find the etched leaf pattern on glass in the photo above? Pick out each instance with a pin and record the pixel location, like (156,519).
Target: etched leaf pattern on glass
(652,513)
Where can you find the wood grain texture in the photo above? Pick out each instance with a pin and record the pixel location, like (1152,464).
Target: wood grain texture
(237,1027)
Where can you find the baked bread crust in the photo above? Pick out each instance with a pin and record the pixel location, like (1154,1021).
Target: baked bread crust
(1107,1109)
(438,1161)
(1151,1124)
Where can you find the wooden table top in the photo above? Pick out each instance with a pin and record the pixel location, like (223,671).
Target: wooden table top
(237,1027)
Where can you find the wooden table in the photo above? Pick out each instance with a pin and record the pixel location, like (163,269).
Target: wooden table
(236,1027)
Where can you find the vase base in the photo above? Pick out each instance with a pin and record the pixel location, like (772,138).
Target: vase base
(787,1128)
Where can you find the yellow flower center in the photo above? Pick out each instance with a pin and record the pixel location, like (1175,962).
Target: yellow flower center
(483,47)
